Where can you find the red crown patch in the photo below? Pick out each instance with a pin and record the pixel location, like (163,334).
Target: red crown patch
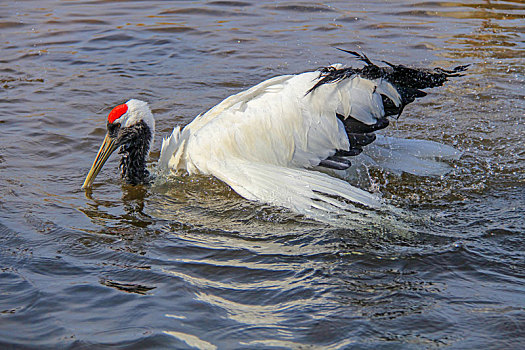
(117,112)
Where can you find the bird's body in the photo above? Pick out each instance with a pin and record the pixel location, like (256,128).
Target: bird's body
(259,140)
(266,141)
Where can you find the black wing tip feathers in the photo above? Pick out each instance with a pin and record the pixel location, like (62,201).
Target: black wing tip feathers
(454,72)
(362,57)
(359,56)
(397,74)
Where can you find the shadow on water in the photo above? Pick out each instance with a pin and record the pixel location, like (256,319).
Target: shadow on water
(133,200)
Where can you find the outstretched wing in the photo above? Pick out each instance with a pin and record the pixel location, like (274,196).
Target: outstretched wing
(262,141)
(281,123)
(307,192)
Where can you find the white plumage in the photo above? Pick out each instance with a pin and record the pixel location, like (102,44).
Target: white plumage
(264,141)
(268,142)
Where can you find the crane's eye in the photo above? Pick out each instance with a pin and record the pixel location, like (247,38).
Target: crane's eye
(113,129)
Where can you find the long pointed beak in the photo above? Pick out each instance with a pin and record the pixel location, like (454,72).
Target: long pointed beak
(108,146)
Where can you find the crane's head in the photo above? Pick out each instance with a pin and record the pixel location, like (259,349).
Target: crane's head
(130,126)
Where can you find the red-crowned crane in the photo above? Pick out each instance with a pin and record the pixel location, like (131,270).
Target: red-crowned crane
(269,142)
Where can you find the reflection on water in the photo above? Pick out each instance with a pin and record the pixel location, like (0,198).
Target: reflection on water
(187,263)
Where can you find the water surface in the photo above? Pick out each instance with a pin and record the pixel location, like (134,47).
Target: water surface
(189,264)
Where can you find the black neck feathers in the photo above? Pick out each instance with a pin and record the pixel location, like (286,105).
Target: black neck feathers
(134,150)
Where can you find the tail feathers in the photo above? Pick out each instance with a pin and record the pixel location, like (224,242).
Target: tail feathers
(304,191)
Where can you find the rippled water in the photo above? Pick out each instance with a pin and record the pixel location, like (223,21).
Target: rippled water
(190,264)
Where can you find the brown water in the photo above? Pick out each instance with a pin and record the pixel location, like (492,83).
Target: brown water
(189,264)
